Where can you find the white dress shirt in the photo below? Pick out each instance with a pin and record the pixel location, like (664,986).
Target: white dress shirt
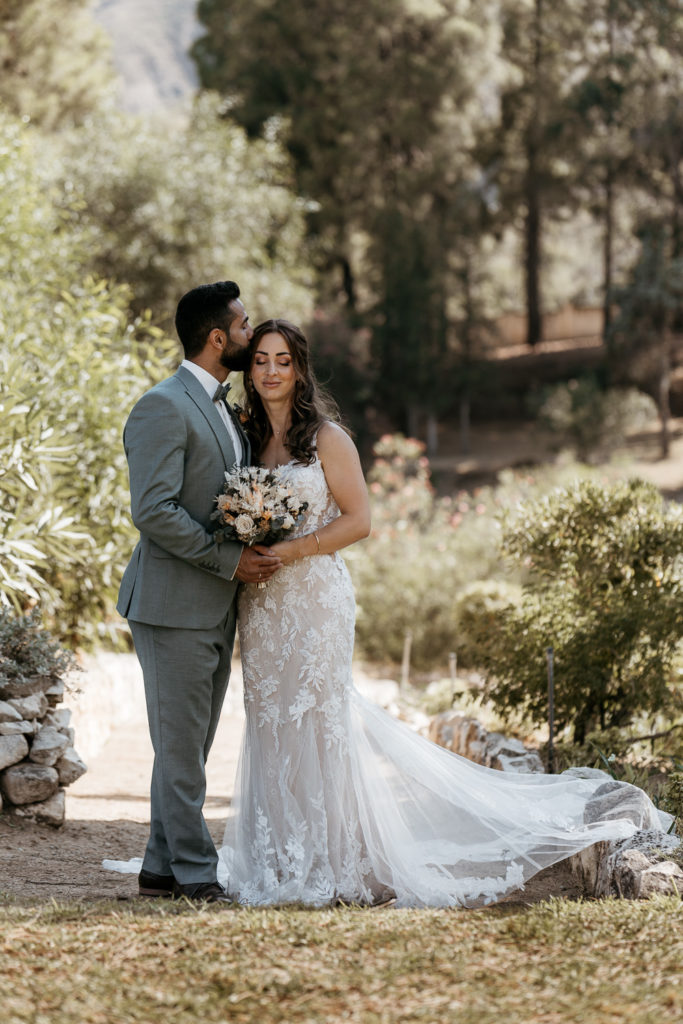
(210,383)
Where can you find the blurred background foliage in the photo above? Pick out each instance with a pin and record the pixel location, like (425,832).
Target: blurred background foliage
(396,175)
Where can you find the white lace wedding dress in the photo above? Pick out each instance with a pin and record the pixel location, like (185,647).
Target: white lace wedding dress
(335,799)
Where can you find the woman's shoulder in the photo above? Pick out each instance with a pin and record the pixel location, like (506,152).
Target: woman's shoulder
(333,440)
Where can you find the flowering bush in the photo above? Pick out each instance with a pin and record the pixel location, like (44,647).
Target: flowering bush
(432,561)
(421,553)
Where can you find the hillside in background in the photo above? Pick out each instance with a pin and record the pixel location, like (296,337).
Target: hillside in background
(150,43)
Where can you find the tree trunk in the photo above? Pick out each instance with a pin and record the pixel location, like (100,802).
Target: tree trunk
(465,442)
(348,284)
(607,263)
(663,391)
(432,435)
(413,421)
(532,225)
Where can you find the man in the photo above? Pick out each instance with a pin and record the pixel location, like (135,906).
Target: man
(178,591)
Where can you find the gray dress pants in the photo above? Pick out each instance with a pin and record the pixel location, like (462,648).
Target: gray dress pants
(186,673)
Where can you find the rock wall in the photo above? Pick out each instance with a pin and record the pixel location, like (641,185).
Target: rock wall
(468,737)
(37,755)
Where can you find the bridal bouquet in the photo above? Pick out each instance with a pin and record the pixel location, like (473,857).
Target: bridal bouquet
(256,507)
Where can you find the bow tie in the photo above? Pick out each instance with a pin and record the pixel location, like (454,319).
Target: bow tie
(221,392)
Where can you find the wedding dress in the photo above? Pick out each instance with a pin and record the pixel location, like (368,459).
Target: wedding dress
(337,800)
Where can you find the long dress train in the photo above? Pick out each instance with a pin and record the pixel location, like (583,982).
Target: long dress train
(336,800)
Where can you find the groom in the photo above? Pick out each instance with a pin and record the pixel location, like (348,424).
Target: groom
(178,591)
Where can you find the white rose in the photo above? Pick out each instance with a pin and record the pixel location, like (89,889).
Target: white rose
(288,523)
(244,525)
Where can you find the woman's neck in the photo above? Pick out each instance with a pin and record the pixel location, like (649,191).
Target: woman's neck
(279,419)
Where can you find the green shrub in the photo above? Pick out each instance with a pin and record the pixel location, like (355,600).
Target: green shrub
(71,365)
(604,589)
(591,421)
(28,650)
(163,207)
(477,610)
(671,799)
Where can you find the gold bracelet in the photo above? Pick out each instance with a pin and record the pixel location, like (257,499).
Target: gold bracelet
(318,540)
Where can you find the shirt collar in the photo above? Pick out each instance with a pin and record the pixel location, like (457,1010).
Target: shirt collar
(206,379)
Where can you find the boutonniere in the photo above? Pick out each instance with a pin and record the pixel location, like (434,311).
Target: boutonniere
(241,414)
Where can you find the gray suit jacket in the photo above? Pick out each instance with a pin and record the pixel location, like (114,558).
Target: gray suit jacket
(178,449)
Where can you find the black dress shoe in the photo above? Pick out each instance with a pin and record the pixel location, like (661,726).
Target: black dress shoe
(202,892)
(150,884)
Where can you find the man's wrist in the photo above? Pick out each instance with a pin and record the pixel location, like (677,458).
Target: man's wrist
(238,562)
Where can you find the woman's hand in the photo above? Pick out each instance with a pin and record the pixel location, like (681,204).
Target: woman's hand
(289,550)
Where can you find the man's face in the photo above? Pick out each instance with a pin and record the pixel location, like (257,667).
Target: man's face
(235,354)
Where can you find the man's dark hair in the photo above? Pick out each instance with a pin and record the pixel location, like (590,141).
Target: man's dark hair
(202,309)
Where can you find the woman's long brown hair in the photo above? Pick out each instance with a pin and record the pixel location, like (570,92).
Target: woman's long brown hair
(311,406)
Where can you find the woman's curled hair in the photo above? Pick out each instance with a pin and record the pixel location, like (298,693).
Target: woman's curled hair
(311,405)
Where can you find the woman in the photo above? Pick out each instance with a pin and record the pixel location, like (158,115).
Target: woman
(336,801)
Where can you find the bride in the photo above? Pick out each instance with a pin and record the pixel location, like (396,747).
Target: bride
(335,800)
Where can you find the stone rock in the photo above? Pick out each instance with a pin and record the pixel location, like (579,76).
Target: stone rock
(621,800)
(49,812)
(584,772)
(70,767)
(34,706)
(12,750)
(627,873)
(590,868)
(8,713)
(10,688)
(510,755)
(48,745)
(59,717)
(70,735)
(664,878)
(633,868)
(467,737)
(20,727)
(28,783)
(55,693)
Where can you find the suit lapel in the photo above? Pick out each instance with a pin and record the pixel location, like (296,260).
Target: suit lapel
(210,413)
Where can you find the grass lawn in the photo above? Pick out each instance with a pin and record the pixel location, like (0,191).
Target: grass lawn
(604,962)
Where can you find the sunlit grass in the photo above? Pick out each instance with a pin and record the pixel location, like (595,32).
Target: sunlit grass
(598,962)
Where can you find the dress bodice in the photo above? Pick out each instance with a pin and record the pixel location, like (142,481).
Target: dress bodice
(310,484)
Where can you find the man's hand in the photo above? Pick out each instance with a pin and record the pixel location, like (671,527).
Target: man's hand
(257,564)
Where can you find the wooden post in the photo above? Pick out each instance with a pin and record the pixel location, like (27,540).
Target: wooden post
(452,668)
(405,664)
(549,653)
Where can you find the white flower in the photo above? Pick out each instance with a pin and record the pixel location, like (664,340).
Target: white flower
(244,525)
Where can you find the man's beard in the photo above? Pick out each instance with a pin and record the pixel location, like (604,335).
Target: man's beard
(233,357)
